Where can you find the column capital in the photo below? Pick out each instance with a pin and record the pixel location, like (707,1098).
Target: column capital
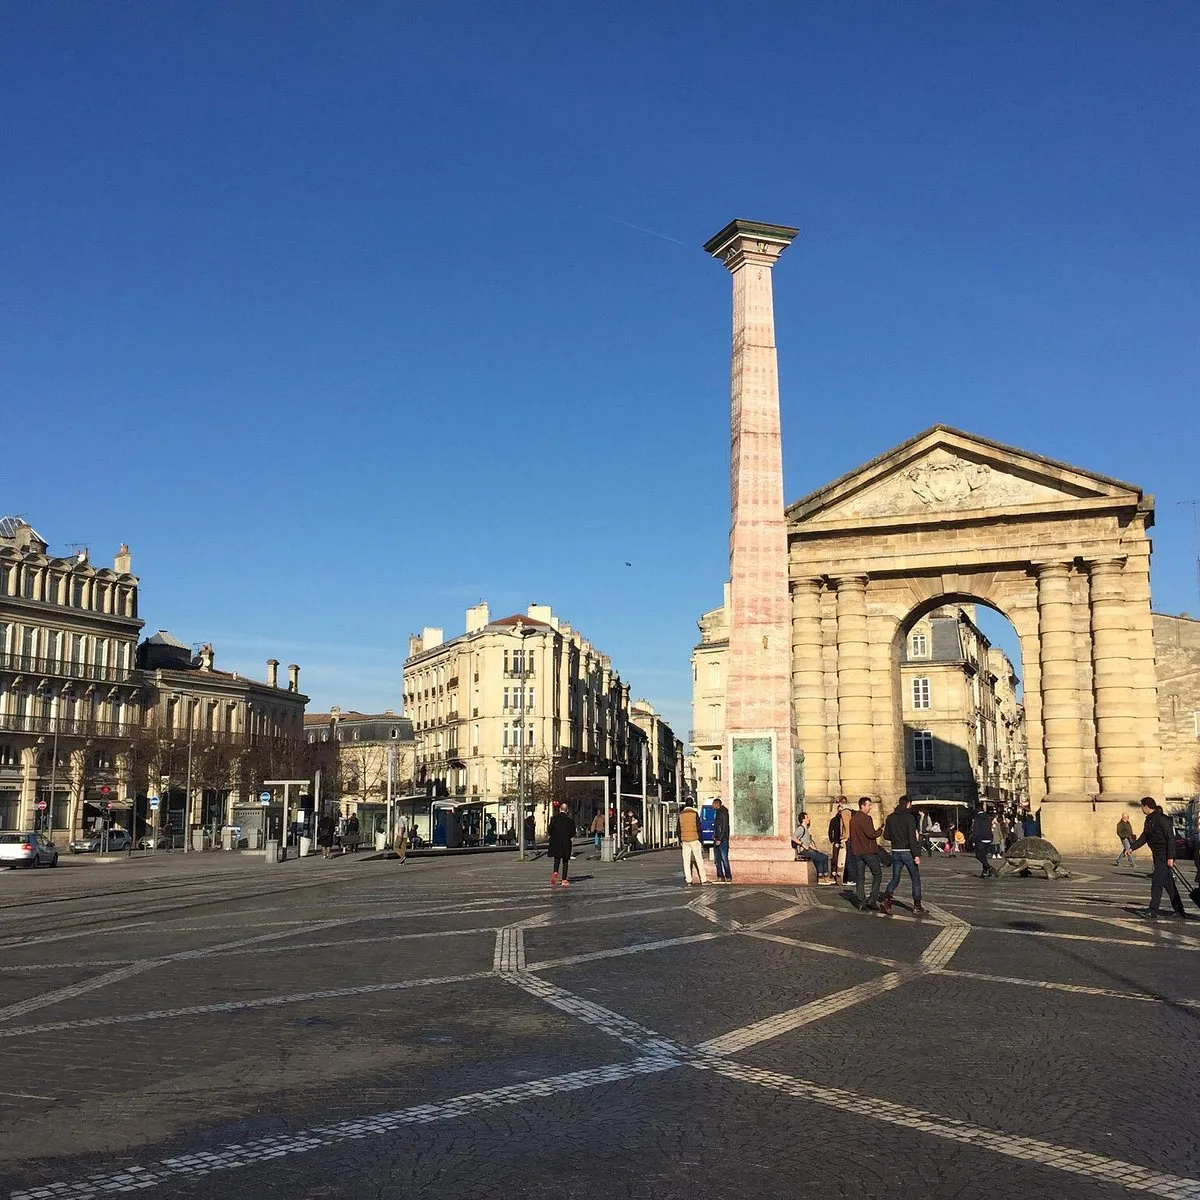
(1106,564)
(850,583)
(1051,568)
(741,242)
(810,584)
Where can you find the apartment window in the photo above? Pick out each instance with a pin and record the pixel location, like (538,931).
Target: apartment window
(29,642)
(920,693)
(507,729)
(506,699)
(717,767)
(714,674)
(919,646)
(529,699)
(922,741)
(77,586)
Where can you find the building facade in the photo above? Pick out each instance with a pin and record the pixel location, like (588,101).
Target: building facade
(524,692)
(373,759)
(1177,652)
(69,692)
(92,725)
(962,721)
(707,765)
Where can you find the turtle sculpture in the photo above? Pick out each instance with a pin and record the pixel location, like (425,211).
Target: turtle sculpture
(1032,854)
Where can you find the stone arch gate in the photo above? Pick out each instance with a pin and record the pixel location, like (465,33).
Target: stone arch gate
(1063,553)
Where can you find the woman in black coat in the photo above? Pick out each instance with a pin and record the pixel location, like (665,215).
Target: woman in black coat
(562,840)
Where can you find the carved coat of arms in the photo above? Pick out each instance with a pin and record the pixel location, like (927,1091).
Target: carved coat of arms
(944,479)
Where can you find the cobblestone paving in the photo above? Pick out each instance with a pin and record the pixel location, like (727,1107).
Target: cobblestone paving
(206,1027)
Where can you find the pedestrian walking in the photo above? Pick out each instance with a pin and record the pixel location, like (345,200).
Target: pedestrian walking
(721,841)
(688,829)
(864,846)
(402,837)
(1125,837)
(981,836)
(1159,834)
(326,831)
(169,836)
(901,831)
(598,833)
(562,842)
(806,848)
(352,832)
(836,842)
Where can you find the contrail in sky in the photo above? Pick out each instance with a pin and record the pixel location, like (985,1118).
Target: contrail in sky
(631,225)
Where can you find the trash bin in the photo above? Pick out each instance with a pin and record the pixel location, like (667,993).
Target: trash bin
(305,846)
(272,851)
(197,839)
(381,841)
(608,846)
(227,836)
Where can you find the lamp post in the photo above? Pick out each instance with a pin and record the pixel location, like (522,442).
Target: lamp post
(53,761)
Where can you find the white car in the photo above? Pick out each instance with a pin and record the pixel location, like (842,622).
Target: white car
(27,850)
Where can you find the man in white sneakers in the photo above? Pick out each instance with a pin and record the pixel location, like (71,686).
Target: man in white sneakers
(689,839)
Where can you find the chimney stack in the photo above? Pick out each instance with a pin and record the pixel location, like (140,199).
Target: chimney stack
(123,563)
(272,672)
(293,677)
(206,657)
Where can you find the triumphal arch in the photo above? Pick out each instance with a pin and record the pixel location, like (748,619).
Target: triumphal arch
(1063,553)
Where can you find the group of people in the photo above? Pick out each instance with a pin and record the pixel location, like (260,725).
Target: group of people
(855,840)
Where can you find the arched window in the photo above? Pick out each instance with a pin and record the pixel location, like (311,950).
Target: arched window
(716,766)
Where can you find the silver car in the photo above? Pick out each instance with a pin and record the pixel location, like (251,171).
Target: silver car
(27,850)
(92,843)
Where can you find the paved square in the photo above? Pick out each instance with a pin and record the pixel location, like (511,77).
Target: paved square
(202,1026)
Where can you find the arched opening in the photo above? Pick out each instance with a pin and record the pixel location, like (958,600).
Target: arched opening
(959,692)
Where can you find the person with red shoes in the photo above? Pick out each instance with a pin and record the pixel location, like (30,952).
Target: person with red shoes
(562,842)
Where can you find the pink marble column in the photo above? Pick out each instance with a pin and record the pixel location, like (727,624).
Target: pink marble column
(760,727)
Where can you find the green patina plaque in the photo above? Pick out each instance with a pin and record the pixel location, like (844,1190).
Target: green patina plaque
(753,798)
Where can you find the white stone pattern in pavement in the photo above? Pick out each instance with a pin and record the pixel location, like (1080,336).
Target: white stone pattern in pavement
(654,1053)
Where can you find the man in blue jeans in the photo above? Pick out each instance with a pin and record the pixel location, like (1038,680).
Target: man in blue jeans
(721,841)
(901,830)
(806,851)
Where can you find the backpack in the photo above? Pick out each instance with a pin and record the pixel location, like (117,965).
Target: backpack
(835,829)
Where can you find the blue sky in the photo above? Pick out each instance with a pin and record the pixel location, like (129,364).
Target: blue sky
(345,317)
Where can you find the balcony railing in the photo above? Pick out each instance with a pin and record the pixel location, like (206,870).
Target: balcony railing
(64,670)
(89,728)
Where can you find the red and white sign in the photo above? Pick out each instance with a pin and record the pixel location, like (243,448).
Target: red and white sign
(42,806)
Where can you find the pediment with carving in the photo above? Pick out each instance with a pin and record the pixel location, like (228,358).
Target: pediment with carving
(947,472)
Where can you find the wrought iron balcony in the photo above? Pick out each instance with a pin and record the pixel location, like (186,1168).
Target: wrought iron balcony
(28,665)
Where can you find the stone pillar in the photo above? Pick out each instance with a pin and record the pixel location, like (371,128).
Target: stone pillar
(1061,738)
(1143,674)
(855,729)
(1117,751)
(760,732)
(29,782)
(808,690)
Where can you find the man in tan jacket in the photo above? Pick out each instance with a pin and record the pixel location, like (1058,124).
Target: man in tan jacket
(689,839)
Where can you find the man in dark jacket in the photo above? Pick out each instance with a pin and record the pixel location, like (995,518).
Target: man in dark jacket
(1159,835)
(864,846)
(901,830)
(721,841)
(562,839)
(981,835)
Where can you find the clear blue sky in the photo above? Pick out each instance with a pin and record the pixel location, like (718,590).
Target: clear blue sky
(345,316)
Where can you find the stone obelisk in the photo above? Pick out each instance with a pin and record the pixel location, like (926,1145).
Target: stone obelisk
(759,785)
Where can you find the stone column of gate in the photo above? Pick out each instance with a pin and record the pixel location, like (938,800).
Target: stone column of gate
(1143,673)
(1116,721)
(1063,819)
(808,693)
(30,759)
(855,728)
(758,699)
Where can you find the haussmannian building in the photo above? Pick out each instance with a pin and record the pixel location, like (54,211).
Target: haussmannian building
(93,725)
(962,721)
(524,687)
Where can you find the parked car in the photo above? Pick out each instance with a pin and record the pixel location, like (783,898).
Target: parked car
(27,850)
(161,842)
(92,843)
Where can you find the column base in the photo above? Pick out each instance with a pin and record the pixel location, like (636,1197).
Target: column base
(768,861)
(1081,825)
